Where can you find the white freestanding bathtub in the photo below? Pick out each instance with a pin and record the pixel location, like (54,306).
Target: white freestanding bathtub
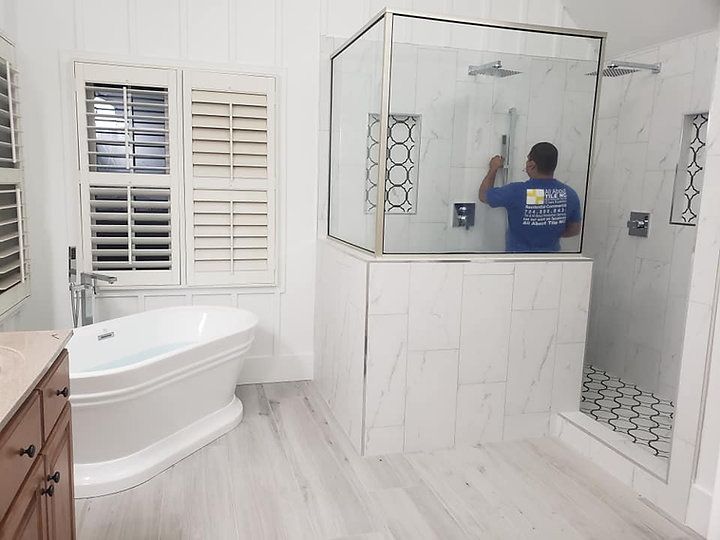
(149,389)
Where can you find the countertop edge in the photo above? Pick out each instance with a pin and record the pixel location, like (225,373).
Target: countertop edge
(63,337)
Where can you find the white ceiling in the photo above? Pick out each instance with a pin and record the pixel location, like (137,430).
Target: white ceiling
(635,24)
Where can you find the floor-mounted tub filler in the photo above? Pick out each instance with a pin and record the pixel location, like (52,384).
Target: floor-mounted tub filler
(149,389)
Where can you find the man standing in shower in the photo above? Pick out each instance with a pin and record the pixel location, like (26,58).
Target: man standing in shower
(540,210)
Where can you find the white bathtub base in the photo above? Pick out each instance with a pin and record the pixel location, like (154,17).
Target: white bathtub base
(106,477)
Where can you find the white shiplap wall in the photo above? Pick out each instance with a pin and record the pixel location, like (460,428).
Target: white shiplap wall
(279,37)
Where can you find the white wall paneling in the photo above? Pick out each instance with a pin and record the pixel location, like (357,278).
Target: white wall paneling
(198,35)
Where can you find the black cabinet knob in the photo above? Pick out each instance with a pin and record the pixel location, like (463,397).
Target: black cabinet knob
(49,491)
(54,477)
(29,451)
(65,392)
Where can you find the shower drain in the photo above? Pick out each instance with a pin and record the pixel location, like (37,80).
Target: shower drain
(627,408)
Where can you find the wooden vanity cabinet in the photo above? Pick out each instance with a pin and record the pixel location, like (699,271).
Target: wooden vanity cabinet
(36,458)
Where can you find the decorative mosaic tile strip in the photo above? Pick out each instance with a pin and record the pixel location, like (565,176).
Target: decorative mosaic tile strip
(402,173)
(627,408)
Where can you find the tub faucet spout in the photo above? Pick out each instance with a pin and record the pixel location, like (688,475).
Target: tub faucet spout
(87,289)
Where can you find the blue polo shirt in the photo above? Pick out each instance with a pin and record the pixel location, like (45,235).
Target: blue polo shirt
(538,212)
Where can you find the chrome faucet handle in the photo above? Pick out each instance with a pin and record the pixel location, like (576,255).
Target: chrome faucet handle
(88,277)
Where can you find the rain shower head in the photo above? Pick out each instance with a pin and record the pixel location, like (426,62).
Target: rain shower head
(492,69)
(618,69)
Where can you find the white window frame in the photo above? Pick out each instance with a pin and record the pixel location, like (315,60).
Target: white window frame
(16,176)
(96,72)
(242,83)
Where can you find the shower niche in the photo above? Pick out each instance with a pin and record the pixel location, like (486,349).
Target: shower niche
(419,105)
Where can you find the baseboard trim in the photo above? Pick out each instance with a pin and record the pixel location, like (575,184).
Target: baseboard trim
(270,369)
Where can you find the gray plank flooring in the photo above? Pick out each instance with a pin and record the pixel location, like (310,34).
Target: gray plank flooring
(287,472)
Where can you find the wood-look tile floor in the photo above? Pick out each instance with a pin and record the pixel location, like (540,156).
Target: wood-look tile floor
(288,472)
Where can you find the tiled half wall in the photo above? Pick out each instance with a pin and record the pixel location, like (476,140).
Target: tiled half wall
(420,355)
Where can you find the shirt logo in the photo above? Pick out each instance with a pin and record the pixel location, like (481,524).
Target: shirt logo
(535,197)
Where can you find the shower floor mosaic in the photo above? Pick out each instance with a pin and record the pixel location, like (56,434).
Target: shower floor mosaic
(627,408)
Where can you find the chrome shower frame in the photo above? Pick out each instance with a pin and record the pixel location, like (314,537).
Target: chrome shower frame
(386,17)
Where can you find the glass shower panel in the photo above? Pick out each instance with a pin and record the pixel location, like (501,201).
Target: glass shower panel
(461,93)
(356,92)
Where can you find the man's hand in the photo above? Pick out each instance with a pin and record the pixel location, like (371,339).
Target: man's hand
(496,163)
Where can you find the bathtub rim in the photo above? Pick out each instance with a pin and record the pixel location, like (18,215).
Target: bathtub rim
(80,375)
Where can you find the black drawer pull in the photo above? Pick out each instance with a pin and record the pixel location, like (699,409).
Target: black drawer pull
(54,477)
(50,491)
(65,392)
(29,451)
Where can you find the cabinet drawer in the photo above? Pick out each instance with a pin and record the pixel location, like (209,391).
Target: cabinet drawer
(55,389)
(22,434)
(27,517)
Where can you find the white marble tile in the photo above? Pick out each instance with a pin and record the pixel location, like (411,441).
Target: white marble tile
(435,92)
(480,413)
(567,379)
(647,485)
(485,328)
(571,435)
(404,78)
(670,105)
(537,285)
(384,440)
(435,306)
(489,268)
(385,383)
(642,365)
(627,182)
(433,183)
(574,301)
(620,261)
(678,57)
(531,361)
(704,73)
(635,104)
(612,462)
(674,330)
(526,426)
(431,400)
(389,288)
(473,142)
(577,119)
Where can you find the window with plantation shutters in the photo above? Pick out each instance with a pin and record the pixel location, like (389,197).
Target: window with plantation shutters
(14,260)
(229,134)
(130,228)
(13,256)
(230,178)
(9,119)
(127,128)
(130,176)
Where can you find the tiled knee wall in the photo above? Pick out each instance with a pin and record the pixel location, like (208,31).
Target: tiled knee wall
(456,353)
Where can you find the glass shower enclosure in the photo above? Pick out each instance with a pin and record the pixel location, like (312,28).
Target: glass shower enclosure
(419,105)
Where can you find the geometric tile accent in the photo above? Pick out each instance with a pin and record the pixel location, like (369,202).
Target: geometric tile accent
(627,408)
(402,159)
(690,171)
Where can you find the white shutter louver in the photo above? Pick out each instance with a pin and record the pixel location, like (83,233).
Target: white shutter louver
(130,228)
(13,260)
(9,120)
(230,231)
(229,134)
(127,128)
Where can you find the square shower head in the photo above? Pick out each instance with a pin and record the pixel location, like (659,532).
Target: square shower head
(493,69)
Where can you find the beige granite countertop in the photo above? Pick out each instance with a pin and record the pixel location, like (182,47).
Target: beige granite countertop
(24,359)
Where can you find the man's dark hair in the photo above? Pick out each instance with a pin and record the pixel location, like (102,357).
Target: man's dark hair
(545,156)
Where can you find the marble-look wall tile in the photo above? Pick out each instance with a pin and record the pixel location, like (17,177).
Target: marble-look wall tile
(431,400)
(384,440)
(480,413)
(386,370)
(489,268)
(670,106)
(567,379)
(537,285)
(526,426)
(435,306)
(435,92)
(389,288)
(574,301)
(485,328)
(531,361)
